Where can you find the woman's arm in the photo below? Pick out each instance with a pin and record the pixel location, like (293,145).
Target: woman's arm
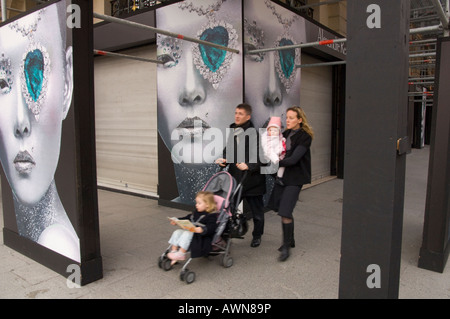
(296,155)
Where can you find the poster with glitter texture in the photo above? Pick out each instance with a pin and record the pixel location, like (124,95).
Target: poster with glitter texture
(198,89)
(43,208)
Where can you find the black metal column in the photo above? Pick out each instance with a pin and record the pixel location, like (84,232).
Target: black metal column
(436,233)
(84,96)
(375,143)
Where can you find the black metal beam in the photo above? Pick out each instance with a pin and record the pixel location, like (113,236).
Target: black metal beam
(435,246)
(375,163)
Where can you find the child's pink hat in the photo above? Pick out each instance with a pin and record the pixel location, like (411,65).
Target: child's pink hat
(275,121)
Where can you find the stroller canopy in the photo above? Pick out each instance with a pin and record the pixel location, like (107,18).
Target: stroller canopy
(221,184)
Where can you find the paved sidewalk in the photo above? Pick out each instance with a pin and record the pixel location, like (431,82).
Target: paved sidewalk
(134,232)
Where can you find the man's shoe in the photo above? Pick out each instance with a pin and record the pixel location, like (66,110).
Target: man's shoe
(255,242)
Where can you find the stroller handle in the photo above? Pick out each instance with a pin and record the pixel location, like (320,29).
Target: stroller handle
(244,175)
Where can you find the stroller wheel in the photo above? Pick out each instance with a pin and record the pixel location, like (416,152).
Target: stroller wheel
(227,261)
(166,264)
(189,277)
(183,273)
(160,262)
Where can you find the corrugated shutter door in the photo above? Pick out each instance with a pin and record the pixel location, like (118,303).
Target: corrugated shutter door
(316,100)
(126,122)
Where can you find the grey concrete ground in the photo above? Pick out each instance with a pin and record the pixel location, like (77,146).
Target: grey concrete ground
(134,232)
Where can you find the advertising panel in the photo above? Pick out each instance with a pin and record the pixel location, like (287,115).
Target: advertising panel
(198,89)
(43,95)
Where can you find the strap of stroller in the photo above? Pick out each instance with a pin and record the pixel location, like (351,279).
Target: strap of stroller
(237,188)
(197,223)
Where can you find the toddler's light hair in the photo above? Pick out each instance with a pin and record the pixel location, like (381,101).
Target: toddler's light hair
(208,198)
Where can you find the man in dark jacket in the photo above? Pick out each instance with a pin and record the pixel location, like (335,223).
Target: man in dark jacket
(242,155)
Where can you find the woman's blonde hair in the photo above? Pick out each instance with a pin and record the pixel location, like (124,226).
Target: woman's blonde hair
(208,198)
(301,115)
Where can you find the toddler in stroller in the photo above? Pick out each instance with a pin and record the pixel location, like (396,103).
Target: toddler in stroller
(210,228)
(198,236)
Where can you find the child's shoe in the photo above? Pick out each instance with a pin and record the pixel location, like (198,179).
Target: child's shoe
(176,256)
(171,254)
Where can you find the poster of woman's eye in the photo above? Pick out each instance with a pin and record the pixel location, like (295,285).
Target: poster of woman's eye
(36,81)
(47,153)
(272,79)
(199,87)
(203,85)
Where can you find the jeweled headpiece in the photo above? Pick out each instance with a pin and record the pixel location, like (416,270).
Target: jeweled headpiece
(212,63)
(169,50)
(35,67)
(253,39)
(6,81)
(286,60)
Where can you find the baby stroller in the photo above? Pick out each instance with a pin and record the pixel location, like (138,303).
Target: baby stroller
(230,223)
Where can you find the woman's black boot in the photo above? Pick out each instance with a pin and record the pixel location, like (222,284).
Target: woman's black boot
(287,238)
(292,242)
(292,236)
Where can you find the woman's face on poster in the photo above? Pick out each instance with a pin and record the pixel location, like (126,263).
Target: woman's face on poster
(272,79)
(190,103)
(33,102)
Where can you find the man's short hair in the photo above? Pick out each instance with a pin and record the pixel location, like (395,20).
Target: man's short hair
(246,107)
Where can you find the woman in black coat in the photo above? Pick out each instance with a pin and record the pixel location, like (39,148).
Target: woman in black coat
(297,163)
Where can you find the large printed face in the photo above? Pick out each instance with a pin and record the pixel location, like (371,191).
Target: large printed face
(279,88)
(198,86)
(35,94)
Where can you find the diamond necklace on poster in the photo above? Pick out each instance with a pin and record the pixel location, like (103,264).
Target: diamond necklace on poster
(212,63)
(285,60)
(35,67)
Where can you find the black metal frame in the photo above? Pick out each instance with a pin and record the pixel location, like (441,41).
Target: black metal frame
(121,7)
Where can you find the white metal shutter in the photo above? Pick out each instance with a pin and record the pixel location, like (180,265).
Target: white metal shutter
(316,100)
(126,122)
